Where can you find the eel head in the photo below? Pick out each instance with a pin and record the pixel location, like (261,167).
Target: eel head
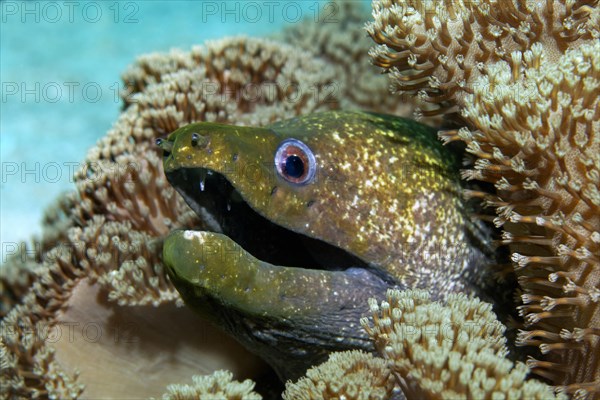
(308,218)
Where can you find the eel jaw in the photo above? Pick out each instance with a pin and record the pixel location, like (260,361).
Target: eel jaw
(291,315)
(223,210)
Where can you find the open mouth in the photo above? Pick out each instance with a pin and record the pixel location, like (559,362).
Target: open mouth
(223,210)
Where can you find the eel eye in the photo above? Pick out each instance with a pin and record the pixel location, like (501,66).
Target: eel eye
(295,162)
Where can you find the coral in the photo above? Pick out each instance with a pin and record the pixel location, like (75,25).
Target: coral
(17,272)
(56,221)
(447,351)
(349,375)
(335,39)
(547,173)
(217,385)
(247,81)
(16,277)
(125,207)
(524,77)
(324,61)
(438,49)
(28,366)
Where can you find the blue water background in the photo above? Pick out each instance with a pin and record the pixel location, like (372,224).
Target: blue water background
(60,66)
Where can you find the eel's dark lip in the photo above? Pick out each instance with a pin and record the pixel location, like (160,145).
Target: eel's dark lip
(223,210)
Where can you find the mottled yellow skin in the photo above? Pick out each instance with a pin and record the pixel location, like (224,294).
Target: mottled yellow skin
(385,191)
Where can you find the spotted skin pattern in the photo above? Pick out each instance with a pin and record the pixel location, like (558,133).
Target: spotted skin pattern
(385,190)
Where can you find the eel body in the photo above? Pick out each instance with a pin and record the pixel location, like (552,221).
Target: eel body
(308,218)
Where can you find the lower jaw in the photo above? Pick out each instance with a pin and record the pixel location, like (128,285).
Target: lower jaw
(292,317)
(212,265)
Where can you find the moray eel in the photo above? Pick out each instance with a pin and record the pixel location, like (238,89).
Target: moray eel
(308,218)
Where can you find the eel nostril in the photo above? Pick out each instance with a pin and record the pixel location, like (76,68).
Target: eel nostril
(165,145)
